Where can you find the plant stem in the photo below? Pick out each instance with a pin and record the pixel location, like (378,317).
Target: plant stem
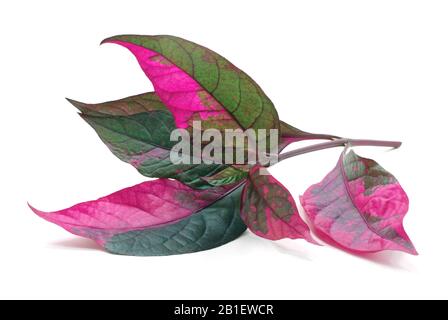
(338,143)
(317,136)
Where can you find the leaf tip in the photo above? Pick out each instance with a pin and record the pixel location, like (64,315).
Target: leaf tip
(104,41)
(107,40)
(112,39)
(30,206)
(78,105)
(412,250)
(36,211)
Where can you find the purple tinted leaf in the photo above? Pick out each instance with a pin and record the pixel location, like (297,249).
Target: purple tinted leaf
(360,206)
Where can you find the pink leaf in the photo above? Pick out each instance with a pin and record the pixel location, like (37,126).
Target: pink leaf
(360,206)
(148,204)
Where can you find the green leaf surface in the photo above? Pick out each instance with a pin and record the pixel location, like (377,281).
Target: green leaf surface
(228,175)
(143,140)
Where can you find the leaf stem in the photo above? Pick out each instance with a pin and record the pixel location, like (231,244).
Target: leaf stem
(338,143)
(317,136)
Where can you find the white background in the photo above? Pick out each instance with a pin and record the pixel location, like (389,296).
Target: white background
(362,69)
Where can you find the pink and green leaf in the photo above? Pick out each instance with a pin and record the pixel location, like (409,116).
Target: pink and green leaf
(269,210)
(158,217)
(196,83)
(137,130)
(360,206)
(142,138)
